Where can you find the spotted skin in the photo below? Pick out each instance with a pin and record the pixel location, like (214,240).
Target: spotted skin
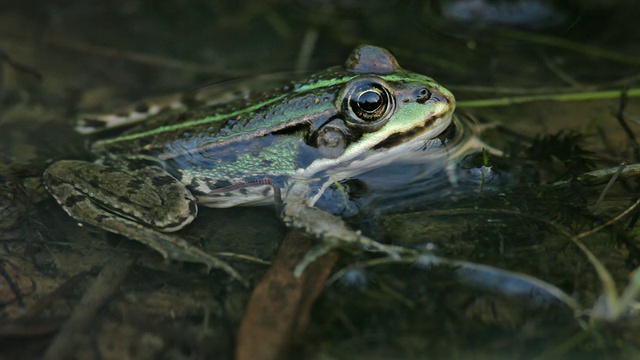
(287,144)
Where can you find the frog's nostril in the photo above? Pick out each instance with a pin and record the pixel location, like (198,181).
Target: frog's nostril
(422,95)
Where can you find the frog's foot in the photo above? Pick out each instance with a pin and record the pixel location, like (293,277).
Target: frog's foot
(333,234)
(172,248)
(363,243)
(141,205)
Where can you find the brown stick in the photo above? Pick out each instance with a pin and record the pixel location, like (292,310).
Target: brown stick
(80,321)
(279,307)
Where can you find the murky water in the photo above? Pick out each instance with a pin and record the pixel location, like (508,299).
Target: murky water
(503,273)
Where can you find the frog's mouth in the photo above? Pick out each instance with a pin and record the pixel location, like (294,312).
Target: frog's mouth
(389,150)
(396,146)
(432,127)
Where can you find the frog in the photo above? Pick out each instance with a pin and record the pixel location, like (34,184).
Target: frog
(284,146)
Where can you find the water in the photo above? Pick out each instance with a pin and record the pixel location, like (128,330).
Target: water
(445,304)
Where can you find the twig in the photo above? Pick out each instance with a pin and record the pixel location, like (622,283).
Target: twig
(609,184)
(586,49)
(107,282)
(308,44)
(623,123)
(559,72)
(142,58)
(610,222)
(19,67)
(576,96)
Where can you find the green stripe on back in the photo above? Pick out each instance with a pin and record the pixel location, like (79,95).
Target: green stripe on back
(218,117)
(400,75)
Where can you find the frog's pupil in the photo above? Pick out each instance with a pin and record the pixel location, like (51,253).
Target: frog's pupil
(369,101)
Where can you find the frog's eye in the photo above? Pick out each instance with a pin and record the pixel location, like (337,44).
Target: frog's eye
(367,104)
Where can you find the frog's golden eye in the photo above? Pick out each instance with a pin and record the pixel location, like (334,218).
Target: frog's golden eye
(368,104)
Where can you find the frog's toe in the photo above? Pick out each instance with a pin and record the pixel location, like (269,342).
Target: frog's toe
(215,263)
(392,251)
(365,244)
(312,255)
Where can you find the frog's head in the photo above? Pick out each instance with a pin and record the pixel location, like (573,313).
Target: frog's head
(383,113)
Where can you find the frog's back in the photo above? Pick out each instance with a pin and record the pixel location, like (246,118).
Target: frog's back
(172,133)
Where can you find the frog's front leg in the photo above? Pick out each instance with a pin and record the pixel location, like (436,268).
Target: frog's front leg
(141,204)
(332,231)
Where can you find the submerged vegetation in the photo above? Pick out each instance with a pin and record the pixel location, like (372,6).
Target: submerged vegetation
(535,253)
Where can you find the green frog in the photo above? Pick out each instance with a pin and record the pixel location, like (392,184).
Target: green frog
(286,145)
